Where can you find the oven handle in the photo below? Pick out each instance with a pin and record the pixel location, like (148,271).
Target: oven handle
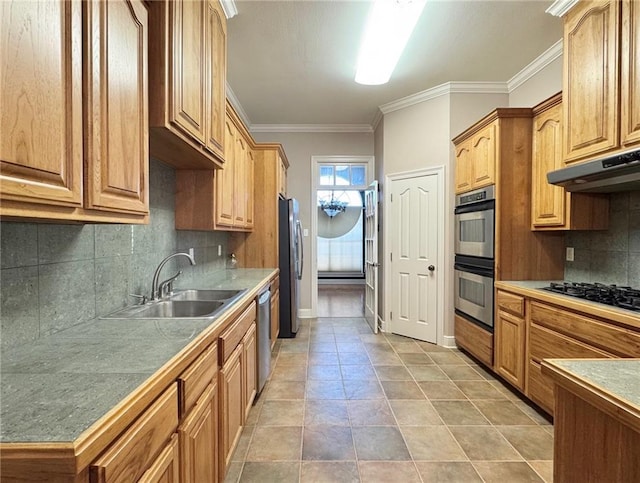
(481,206)
(483,272)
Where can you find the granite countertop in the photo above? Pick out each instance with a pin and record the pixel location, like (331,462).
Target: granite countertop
(55,388)
(534,289)
(613,385)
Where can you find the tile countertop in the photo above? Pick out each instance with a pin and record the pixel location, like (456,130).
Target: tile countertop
(612,385)
(534,289)
(55,388)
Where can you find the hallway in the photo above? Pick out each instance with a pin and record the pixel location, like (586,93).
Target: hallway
(345,405)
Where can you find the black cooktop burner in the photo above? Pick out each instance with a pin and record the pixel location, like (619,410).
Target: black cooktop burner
(623,297)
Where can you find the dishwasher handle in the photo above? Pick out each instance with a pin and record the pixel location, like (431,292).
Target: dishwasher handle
(264,297)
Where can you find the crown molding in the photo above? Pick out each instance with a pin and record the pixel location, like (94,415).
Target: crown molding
(376,119)
(560,7)
(548,56)
(233,100)
(444,89)
(229,8)
(317,128)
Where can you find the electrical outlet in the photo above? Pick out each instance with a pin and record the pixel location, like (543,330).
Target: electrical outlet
(570,254)
(305,232)
(219,250)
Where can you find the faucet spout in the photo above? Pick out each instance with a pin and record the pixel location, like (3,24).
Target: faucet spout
(155,292)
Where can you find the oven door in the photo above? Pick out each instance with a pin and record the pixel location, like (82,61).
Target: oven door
(474,293)
(474,230)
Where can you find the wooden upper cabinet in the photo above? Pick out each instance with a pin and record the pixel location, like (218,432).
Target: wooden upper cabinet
(463,167)
(249,188)
(240,161)
(630,74)
(225,180)
(282,177)
(187,75)
(117,156)
(41,99)
(216,42)
(483,149)
(553,208)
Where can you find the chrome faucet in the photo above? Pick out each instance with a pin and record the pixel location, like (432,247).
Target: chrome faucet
(155,292)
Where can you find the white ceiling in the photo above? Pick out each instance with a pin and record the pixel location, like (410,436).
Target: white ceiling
(293,62)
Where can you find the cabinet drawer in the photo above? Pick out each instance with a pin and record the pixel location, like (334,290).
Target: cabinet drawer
(231,337)
(133,452)
(477,341)
(540,388)
(510,303)
(193,381)
(610,338)
(547,344)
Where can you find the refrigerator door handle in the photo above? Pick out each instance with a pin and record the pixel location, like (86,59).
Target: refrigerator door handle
(300,252)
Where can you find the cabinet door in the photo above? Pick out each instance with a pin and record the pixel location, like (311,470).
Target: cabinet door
(41,99)
(630,74)
(510,344)
(231,405)
(250,362)
(225,179)
(282,178)
(166,467)
(199,439)
(483,154)
(216,59)
(275,316)
(464,167)
(248,192)
(117,121)
(189,89)
(547,201)
(591,115)
(240,209)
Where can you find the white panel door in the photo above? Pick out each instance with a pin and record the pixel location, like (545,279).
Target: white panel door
(371,255)
(414,252)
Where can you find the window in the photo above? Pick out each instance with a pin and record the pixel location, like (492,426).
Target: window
(352,175)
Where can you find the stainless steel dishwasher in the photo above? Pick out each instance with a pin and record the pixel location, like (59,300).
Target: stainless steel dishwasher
(264,338)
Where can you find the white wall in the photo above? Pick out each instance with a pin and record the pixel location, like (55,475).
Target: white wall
(539,87)
(300,147)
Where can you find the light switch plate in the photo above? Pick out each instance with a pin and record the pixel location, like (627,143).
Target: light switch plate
(570,254)
(305,232)
(219,250)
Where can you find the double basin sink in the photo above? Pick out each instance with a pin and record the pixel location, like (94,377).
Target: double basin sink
(182,304)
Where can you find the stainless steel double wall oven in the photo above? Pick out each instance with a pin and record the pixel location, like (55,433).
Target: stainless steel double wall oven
(474,260)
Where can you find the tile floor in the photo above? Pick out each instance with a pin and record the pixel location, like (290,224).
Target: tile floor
(345,405)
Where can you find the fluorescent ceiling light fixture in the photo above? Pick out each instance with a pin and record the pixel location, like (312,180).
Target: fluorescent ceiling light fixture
(388,29)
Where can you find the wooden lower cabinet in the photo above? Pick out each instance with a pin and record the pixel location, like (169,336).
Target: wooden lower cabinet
(250,367)
(510,353)
(231,407)
(199,439)
(166,468)
(275,316)
(477,341)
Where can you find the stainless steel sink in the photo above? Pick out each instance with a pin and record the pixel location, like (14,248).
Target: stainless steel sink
(179,309)
(206,294)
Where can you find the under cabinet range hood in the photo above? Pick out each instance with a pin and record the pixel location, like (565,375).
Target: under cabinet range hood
(620,172)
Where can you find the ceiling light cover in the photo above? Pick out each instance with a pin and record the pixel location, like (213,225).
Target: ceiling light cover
(388,29)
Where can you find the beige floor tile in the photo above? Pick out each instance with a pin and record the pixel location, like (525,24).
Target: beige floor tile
(292,359)
(538,416)
(328,372)
(503,413)
(403,347)
(441,390)
(402,390)
(459,413)
(275,443)
(532,442)
(354,389)
(294,346)
(323,358)
(479,390)
(267,472)
(329,472)
(384,358)
(350,346)
(359,372)
(429,347)
(484,443)
(411,358)
(374,339)
(240,453)
(448,472)
(286,372)
(285,390)
(388,471)
(461,373)
(233,471)
(415,413)
(393,373)
(326,412)
(450,358)
(432,443)
(504,388)
(512,472)
(379,443)
(544,469)
(427,373)
(322,338)
(353,358)
(281,413)
(370,413)
(323,347)
(325,390)
(325,442)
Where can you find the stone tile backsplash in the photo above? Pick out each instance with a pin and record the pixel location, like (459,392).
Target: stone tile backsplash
(611,256)
(54,276)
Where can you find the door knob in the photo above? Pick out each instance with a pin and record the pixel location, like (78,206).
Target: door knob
(431,268)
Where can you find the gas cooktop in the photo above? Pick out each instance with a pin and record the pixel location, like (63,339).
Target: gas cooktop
(616,295)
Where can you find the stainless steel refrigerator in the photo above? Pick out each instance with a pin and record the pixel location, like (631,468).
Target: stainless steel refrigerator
(291,264)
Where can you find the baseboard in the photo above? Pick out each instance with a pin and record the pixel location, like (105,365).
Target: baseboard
(382,325)
(306,314)
(340,281)
(449,341)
